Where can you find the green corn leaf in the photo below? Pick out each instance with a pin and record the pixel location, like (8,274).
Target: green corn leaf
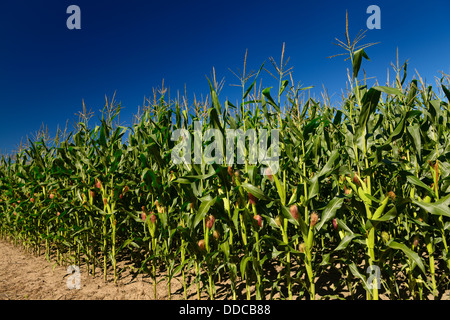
(414,132)
(440,207)
(258,193)
(329,211)
(411,93)
(391,214)
(214,97)
(354,270)
(417,182)
(357,59)
(446,91)
(203,210)
(266,93)
(409,253)
(346,241)
(243,266)
(370,102)
(253,83)
(283,87)
(389,90)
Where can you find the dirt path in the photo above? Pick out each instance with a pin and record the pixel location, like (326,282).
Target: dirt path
(26,276)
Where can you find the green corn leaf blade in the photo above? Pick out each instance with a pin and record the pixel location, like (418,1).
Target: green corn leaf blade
(243,266)
(354,270)
(341,225)
(280,188)
(417,182)
(313,187)
(391,214)
(329,211)
(440,207)
(203,210)
(102,137)
(249,89)
(399,130)
(311,126)
(409,253)
(268,97)
(370,102)
(357,59)
(404,67)
(337,118)
(325,260)
(214,97)
(414,132)
(389,90)
(411,93)
(329,165)
(325,171)
(214,120)
(435,110)
(346,241)
(258,193)
(128,242)
(446,91)
(284,84)
(305,108)
(253,83)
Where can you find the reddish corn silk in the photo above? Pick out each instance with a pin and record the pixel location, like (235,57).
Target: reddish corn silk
(258,219)
(98,184)
(314,218)
(356,179)
(251,199)
(335,224)
(392,195)
(347,191)
(153,218)
(210,221)
(230,171)
(143,214)
(269,174)
(294,211)
(202,244)
(416,241)
(302,247)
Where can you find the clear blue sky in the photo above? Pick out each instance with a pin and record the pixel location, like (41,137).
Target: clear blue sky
(130,46)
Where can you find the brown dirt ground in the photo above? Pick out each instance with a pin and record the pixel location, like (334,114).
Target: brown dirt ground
(27,276)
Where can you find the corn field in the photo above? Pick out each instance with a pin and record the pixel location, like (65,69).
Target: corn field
(362,190)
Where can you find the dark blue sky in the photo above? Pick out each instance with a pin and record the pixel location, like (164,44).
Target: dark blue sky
(130,46)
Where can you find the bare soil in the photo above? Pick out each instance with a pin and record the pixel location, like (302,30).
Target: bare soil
(27,276)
